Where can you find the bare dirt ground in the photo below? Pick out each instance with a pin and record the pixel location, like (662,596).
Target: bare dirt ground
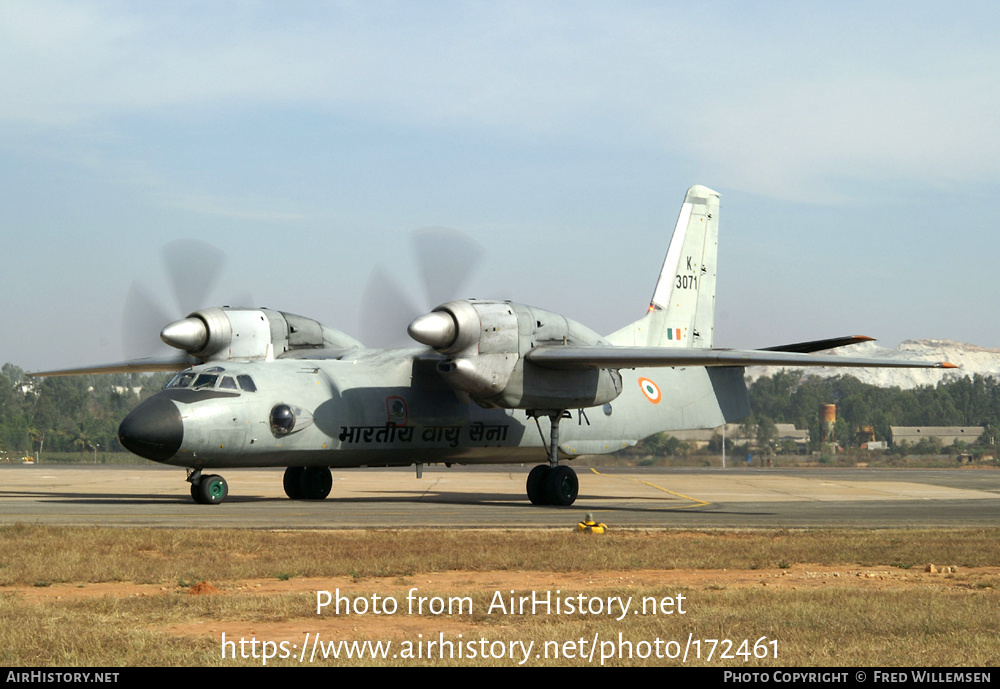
(940,577)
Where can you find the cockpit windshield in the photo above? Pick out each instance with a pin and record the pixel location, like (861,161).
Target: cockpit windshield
(211,379)
(181,380)
(205,380)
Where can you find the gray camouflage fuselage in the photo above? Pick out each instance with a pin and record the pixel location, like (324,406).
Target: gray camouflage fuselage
(391,408)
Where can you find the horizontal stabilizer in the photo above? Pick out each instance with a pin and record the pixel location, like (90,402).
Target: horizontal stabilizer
(820,345)
(560,357)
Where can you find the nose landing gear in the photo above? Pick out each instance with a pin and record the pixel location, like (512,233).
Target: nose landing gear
(208,490)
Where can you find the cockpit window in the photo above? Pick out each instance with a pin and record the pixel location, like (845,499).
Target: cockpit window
(227,383)
(205,380)
(181,380)
(246,382)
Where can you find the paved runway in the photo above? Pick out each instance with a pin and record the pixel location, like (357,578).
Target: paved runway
(478,497)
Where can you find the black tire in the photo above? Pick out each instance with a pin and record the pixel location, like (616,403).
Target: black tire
(316,483)
(536,484)
(293,482)
(561,486)
(212,489)
(196,491)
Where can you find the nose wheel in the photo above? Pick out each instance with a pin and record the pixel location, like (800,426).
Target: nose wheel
(208,490)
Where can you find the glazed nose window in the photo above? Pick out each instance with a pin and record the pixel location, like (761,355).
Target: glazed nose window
(282,419)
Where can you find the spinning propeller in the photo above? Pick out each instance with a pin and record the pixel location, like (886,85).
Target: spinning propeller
(445,260)
(192,268)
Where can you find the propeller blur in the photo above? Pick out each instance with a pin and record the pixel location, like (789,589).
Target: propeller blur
(492,382)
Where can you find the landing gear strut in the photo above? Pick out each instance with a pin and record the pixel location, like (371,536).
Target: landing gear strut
(208,490)
(553,484)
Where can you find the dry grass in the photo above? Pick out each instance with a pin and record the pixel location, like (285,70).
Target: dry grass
(909,619)
(842,627)
(30,554)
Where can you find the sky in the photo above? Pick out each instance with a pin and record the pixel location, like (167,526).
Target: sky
(856,146)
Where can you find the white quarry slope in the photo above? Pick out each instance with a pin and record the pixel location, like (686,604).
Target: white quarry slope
(970,358)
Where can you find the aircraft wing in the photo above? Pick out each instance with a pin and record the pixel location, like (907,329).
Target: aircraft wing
(132,366)
(567,357)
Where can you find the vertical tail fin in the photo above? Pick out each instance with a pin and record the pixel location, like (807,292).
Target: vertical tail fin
(682,310)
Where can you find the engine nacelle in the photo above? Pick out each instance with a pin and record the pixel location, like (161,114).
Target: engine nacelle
(486,342)
(221,334)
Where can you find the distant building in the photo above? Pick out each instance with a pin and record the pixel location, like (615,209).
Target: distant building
(734,433)
(788,431)
(947,435)
(875,445)
(696,438)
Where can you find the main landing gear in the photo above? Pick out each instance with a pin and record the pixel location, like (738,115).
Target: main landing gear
(208,490)
(308,483)
(552,484)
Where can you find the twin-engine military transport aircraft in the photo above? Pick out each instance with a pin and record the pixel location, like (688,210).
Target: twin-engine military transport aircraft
(493,382)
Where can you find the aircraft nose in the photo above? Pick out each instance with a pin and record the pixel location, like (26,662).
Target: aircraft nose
(153,430)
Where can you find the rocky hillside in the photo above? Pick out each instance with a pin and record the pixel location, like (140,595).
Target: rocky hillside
(970,358)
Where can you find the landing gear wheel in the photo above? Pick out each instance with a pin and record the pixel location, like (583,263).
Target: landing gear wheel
(210,490)
(536,484)
(293,482)
(316,483)
(561,486)
(552,484)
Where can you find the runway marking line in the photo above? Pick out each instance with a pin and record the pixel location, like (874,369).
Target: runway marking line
(697,502)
